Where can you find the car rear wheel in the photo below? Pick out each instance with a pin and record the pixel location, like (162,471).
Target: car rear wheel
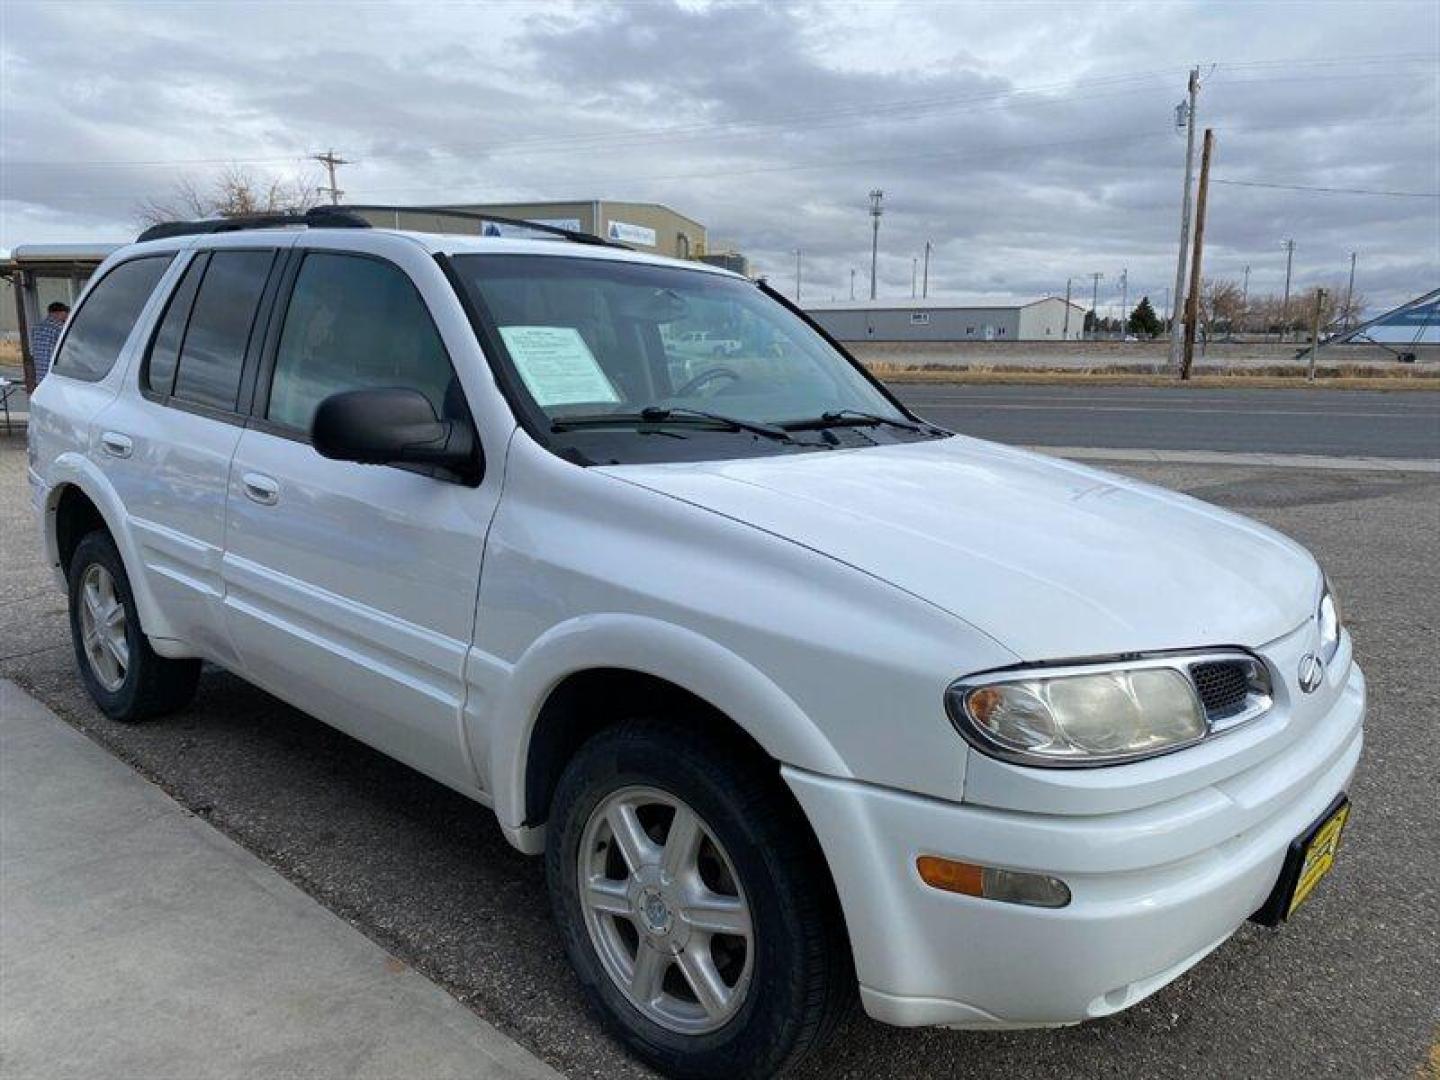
(695,904)
(124,675)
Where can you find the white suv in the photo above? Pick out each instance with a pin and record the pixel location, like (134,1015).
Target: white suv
(797,693)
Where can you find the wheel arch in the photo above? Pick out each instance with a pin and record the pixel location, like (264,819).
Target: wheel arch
(581,677)
(79,500)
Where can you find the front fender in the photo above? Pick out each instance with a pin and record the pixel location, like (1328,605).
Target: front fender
(73,469)
(500,737)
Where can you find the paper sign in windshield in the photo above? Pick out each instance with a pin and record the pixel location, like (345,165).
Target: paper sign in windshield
(557,366)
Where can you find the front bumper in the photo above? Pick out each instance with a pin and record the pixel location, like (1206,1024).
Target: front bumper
(1154,888)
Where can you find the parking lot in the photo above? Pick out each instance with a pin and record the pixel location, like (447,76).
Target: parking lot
(1348,989)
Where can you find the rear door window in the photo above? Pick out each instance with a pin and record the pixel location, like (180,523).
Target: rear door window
(98,331)
(213,354)
(353,323)
(159,374)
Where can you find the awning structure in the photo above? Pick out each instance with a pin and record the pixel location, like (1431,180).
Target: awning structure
(42,273)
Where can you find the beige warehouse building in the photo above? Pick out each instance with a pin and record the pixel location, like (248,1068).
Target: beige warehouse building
(648,227)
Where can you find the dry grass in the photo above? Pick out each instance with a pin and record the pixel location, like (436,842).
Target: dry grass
(1430,1069)
(1278,376)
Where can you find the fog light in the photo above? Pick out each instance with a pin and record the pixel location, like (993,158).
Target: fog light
(992,883)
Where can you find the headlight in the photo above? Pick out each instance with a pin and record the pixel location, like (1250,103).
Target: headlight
(1327,617)
(1102,714)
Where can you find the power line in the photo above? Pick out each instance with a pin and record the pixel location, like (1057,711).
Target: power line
(1331,190)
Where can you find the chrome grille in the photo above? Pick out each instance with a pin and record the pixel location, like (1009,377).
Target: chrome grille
(1232,690)
(1224,686)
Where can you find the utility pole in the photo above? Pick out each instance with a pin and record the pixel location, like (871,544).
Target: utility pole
(329,160)
(1095,304)
(797,275)
(852,283)
(1124,299)
(875,211)
(1350,290)
(1315,334)
(1245,299)
(1192,302)
(1184,112)
(1289,245)
(925,281)
(1065,333)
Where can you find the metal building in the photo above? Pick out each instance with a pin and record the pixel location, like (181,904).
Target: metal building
(945,320)
(648,227)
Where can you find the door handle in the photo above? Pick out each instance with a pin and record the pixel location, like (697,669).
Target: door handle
(116,444)
(260,488)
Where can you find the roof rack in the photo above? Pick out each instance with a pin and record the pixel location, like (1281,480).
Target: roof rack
(349,217)
(475,215)
(319,217)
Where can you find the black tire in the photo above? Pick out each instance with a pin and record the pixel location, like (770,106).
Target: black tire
(152,685)
(803,982)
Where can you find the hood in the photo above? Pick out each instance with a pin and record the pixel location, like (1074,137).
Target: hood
(1052,560)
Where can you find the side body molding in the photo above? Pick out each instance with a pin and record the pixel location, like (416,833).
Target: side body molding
(505,702)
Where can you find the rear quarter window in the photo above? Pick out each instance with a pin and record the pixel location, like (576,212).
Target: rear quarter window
(98,331)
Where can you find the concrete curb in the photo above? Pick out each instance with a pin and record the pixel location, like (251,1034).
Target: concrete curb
(1221,457)
(136,940)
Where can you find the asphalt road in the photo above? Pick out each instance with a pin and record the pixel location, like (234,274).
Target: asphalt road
(1343,423)
(1348,989)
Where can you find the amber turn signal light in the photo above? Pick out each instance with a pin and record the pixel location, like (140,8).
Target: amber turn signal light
(951,876)
(992,883)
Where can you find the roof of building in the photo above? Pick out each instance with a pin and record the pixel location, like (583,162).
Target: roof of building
(66,253)
(926,305)
(1415,322)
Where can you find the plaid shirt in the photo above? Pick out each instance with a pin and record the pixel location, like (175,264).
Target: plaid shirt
(42,344)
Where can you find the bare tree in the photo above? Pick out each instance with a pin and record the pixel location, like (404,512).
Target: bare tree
(1269,314)
(1356,312)
(1302,307)
(235,191)
(1222,301)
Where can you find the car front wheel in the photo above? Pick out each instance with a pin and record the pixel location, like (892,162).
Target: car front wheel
(694,903)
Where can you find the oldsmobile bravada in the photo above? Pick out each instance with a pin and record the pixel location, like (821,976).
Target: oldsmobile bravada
(800,696)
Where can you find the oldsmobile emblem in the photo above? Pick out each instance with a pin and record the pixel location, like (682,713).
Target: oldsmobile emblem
(1312,673)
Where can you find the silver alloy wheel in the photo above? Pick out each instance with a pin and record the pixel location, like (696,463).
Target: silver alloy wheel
(102,628)
(665,910)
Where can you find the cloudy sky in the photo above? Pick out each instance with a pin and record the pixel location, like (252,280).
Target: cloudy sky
(1030,143)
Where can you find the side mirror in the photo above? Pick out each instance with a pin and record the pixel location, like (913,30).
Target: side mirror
(391,426)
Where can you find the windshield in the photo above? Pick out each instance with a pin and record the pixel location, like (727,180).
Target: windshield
(643,359)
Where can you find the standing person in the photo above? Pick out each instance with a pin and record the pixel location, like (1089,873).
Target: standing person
(44,336)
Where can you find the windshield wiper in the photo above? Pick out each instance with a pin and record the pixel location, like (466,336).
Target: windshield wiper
(657,414)
(854,418)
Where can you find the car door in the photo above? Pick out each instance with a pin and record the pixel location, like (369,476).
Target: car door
(351,589)
(167,449)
